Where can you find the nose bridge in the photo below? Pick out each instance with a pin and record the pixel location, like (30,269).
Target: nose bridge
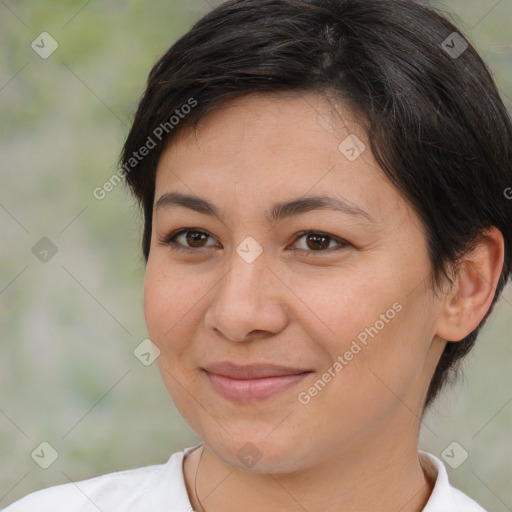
(248,269)
(245,299)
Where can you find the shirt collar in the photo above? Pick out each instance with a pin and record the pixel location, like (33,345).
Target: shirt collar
(166,487)
(441,498)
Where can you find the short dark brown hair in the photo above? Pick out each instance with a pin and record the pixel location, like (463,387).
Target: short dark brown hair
(434,118)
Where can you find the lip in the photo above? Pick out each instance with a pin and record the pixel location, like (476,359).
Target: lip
(250,383)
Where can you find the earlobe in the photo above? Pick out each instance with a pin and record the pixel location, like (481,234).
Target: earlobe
(471,295)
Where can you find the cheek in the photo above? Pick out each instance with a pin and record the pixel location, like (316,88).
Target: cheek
(373,322)
(156,301)
(171,305)
(169,302)
(342,305)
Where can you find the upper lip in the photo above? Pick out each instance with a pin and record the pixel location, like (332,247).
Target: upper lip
(253,371)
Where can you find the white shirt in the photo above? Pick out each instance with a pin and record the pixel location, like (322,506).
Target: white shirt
(162,488)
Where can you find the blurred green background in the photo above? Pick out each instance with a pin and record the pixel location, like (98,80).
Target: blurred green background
(70,325)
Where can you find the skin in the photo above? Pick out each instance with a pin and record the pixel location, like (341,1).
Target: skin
(354,446)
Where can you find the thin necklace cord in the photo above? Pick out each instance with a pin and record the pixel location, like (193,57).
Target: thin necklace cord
(195,481)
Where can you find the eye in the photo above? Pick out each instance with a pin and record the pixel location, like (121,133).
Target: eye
(188,239)
(316,241)
(190,236)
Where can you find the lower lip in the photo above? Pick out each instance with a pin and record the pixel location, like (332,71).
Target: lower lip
(249,390)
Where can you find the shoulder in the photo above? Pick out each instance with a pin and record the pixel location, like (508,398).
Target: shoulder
(132,490)
(86,493)
(444,497)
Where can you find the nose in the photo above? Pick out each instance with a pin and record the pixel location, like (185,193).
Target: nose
(248,302)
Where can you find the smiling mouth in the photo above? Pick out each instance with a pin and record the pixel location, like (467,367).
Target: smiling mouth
(251,383)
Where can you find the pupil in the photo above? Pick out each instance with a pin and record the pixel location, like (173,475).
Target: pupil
(315,238)
(194,237)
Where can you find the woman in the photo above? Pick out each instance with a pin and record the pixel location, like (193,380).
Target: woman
(326,229)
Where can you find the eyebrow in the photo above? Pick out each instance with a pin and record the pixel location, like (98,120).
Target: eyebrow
(278,211)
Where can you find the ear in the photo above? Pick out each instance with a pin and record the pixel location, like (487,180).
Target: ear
(471,295)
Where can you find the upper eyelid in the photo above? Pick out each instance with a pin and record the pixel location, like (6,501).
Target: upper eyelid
(173,235)
(181,231)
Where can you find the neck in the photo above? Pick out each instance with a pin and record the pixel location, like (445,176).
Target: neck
(366,477)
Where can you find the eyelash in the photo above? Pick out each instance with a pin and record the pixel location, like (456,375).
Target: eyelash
(169,240)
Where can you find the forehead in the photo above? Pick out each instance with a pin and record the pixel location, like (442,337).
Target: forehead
(262,149)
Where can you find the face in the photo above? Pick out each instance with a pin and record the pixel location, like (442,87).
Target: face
(288,333)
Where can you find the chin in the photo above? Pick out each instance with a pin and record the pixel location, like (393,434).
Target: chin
(259,455)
